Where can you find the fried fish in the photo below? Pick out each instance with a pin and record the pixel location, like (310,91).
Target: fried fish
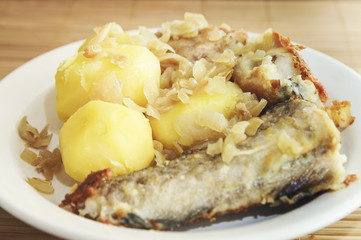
(268,64)
(295,153)
(271,66)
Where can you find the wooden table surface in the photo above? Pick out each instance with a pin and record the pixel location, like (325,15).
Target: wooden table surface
(30,28)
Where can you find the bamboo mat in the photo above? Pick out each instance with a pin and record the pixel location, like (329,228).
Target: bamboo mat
(30,28)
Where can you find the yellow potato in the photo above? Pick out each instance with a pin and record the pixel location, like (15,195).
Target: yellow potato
(103,135)
(164,129)
(108,74)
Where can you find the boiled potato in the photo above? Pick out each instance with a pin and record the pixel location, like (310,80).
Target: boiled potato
(103,135)
(164,129)
(109,74)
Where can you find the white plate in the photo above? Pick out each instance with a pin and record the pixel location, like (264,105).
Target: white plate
(29,90)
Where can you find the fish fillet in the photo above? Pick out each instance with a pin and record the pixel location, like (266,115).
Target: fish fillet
(294,154)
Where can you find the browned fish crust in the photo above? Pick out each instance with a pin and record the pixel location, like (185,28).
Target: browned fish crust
(300,64)
(86,189)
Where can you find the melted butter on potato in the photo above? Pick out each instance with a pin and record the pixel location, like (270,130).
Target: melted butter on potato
(181,123)
(100,135)
(107,73)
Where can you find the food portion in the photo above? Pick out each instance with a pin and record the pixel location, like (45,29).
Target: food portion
(295,153)
(32,137)
(37,154)
(208,42)
(189,123)
(103,135)
(108,72)
(270,66)
(41,185)
(340,113)
(192,122)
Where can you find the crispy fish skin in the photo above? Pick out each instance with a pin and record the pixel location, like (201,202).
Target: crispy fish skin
(295,153)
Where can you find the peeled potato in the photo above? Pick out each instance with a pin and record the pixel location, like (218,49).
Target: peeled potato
(165,128)
(107,73)
(103,135)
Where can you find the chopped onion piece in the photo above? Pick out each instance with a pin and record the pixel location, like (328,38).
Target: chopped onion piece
(238,132)
(41,185)
(256,110)
(32,136)
(213,120)
(29,156)
(215,148)
(254,124)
